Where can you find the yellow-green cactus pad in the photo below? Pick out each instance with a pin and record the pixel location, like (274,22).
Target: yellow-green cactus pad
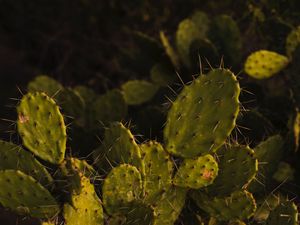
(42,127)
(122,188)
(203,115)
(239,205)
(285,213)
(158,170)
(197,173)
(85,207)
(118,147)
(170,51)
(292,41)
(237,168)
(168,208)
(26,196)
(45,84)
(137,92)
(264,64)
(14,157)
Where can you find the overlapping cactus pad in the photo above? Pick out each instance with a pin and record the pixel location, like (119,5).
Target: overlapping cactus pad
(42,127)
(203,115)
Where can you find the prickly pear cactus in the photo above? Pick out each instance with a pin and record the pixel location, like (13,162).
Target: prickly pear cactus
(45,84)
(118,146)
(14,157)
(237,168)
(239,205)
(25,195)
(170,51)
(264,64)
(292,41)
(158,170)
(42,127)
(197,173)
(121,189)
(85,207)
(285,213)
(203,115)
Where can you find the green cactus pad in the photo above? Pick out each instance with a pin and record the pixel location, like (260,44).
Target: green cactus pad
(14,157)
(118,146)
(203,115)
(85,207)
(158,170)
(121,188)
(202,21)
(264,64)
(225,34)
(45,84)
(23,194)
(170,51)
(48,223)
(237,168)
(168,208)
(239,205)
(187,33)
(137,92)
(42,127)
(162,74)
(292,41)
(268,153)
(236,222)
(197,173)
(107,108)
(285,213)
(264,206)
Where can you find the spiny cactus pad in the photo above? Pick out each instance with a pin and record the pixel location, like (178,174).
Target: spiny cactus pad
(14,157)
(121,188)
(239,205)
(137,92)
(85,207)
(42,127)
(139,214)
(237,168)
(264,64)
(45,84)
(292,41)
(197,173)
(118,146)
(203,115)
(23,194)
(285,213)
(158,170)
(168,208)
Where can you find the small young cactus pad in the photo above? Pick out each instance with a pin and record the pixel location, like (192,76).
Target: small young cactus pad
(45,84)
(292,41)
(285,213)
(197,173)
(14,157)
(237,168)
(85,207)
(239,205)
(23,194)
(158,170)
(121,188)
(264,64)
(42,127)
(203,115)
(118,146)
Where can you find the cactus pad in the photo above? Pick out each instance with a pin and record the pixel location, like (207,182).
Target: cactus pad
(14,157)
(197,173)
(237,168)
(45,84)
(292,41)
(121,188)
(264,64)
(137,92)
(162,74)
(239,205)
(158,170)
(42,127)
(85,207)
(118,146)
(203,115)
(285,213)
(168,208)
(23,194)
(170,51)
